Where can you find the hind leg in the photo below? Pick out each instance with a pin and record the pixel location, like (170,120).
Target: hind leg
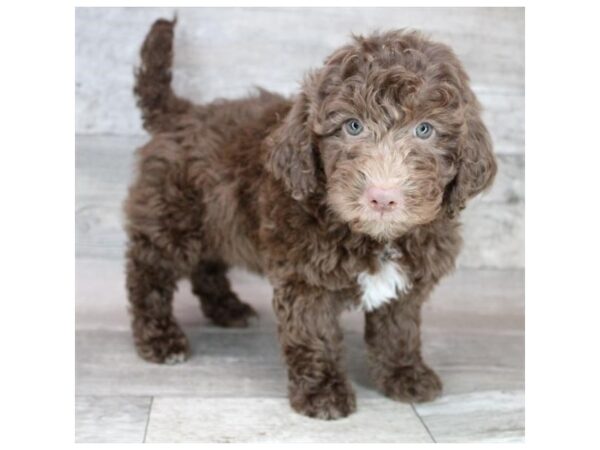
(150,285)
(218,302)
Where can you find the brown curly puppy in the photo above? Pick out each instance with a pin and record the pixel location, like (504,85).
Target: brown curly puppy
(345,196)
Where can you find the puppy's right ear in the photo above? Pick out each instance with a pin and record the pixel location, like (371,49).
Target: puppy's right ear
(291,152)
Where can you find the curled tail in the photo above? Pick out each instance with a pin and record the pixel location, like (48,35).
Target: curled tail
(159,105)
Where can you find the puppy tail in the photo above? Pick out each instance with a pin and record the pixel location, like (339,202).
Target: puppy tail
(159,105)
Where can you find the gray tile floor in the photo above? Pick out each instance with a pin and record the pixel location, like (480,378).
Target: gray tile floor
(233,387)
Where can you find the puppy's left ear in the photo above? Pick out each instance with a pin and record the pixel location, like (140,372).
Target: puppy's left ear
(292,152)
(476,162)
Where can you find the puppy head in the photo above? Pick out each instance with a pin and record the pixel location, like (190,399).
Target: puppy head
(391,131)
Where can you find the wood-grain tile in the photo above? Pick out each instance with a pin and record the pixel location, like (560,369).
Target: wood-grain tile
(111,419)
(195,419)
(466,362)
(233,363)
(248,363)
(472,335)
(482,416)
(484,300)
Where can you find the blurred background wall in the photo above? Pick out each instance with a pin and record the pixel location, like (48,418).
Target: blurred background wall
(225,52)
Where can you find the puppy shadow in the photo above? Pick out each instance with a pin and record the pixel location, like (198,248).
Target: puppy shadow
(356,361)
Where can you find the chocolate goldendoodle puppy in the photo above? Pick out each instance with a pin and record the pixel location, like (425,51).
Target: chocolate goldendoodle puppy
(345,196)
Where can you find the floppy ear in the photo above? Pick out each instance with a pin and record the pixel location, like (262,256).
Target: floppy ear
(291,150)
(476,162)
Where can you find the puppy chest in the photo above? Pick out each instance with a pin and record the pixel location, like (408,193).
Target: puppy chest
(382,286)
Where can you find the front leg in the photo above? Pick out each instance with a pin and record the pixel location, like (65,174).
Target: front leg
(311,340)
(393,337)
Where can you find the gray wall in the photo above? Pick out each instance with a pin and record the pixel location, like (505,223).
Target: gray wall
(224,52)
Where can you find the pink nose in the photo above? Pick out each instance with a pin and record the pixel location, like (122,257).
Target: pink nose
(382,200)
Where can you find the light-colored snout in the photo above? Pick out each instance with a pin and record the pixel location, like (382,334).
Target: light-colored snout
(383,199)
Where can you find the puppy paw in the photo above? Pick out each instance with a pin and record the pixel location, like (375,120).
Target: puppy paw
(230,313)
(162,343)
(332,400)
(416,383)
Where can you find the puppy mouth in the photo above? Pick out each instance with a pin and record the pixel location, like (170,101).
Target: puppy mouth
(387,216)
(380,230)
(382,225)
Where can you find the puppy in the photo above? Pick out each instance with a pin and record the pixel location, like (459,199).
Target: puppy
(345,196)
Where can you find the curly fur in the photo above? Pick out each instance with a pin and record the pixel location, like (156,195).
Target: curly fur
(276,185)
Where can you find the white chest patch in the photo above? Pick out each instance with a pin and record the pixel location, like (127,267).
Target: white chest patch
(384,285)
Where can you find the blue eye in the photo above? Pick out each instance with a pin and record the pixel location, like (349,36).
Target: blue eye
(354,127)
(424,130)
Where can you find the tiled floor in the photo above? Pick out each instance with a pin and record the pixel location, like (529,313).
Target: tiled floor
(233,387)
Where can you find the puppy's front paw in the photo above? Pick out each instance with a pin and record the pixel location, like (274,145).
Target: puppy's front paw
(331,400)
(416,383)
